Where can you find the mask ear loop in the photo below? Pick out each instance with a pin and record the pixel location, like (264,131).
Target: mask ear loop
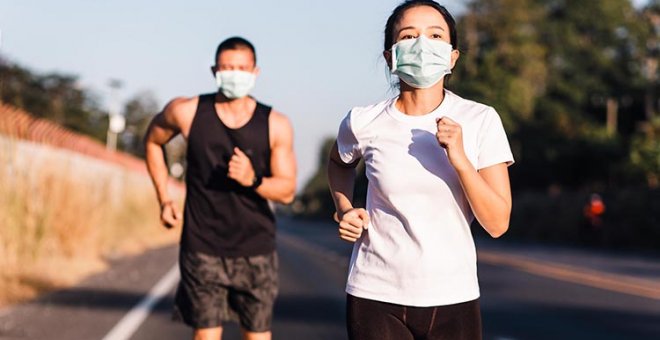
(393,53)
(218,79)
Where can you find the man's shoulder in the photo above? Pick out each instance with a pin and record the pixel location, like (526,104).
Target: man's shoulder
(182,106)
(279,125)
(278,118)
(275,114)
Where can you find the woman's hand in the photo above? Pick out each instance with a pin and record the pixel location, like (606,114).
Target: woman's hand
(450,137)
(351,224)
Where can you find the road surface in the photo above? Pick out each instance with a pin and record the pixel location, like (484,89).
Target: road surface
(528,292)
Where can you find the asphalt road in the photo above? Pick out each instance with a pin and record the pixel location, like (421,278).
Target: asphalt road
(528,292)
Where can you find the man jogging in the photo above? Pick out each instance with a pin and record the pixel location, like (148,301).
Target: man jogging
(240,156)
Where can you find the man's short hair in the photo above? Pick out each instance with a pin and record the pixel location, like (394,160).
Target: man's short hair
(235,43)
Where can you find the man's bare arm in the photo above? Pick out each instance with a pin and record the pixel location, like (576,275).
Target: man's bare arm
(163,127)
(281,186)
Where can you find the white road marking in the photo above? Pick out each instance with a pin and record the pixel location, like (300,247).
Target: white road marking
(125,328)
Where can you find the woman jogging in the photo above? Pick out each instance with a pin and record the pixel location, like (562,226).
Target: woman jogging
(434,161)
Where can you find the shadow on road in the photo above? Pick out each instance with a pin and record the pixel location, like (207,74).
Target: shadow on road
(310,309)
(91,298)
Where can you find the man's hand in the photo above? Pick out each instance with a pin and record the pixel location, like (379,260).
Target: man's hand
(240,168)
(169,215)
(352,223)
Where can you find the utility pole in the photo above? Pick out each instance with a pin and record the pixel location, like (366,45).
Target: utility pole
(117,120)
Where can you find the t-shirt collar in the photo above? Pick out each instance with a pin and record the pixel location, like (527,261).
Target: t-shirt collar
(440,111)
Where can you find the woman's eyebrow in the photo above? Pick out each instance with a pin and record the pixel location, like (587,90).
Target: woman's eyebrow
(412,27)
(406,28)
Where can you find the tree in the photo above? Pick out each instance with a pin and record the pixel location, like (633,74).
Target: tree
(645,152)
(503,63)
(651,68)
(566,77)
(138,111)
(315,196)
(54,96)
(597,52)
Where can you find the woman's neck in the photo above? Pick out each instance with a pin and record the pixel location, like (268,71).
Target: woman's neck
(417,102)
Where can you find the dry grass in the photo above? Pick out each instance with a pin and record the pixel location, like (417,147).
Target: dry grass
(62,214)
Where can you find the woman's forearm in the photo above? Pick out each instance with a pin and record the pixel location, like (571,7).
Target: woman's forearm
(489,197)
(342,181)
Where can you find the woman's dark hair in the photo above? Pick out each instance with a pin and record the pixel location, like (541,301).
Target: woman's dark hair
(396,15)
(235,43)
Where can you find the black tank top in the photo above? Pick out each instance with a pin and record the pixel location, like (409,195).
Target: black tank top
(223,218)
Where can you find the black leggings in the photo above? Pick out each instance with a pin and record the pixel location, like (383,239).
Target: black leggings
(369,319)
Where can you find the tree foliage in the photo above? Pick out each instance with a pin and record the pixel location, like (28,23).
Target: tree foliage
(568,79)
(645,152)
(60,98)
(503,63)
(57,97)
(138,111)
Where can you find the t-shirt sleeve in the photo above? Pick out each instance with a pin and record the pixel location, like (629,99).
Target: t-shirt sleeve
(347,142)
(493,144)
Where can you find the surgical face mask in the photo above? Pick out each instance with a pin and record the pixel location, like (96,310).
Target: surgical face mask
(421,62)
(235,84)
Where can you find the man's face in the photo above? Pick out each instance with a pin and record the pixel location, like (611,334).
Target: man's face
(236,60)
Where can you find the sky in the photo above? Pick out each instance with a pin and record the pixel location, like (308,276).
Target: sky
(318,59)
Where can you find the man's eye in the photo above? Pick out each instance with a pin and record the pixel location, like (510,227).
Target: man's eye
(436,36)
(408,36)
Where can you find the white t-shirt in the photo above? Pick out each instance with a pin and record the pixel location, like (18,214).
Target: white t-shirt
(418,250)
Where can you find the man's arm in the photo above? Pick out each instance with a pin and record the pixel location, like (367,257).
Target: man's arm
(281,186)
(163,127)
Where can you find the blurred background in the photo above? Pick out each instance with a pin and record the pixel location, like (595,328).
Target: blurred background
(575,82)
(576,85)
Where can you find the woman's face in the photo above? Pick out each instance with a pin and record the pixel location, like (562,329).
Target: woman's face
(422,20)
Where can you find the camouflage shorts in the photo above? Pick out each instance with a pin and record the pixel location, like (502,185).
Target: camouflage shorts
(216,289)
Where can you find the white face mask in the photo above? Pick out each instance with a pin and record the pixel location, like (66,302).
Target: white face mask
(235,84)
(421,62)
